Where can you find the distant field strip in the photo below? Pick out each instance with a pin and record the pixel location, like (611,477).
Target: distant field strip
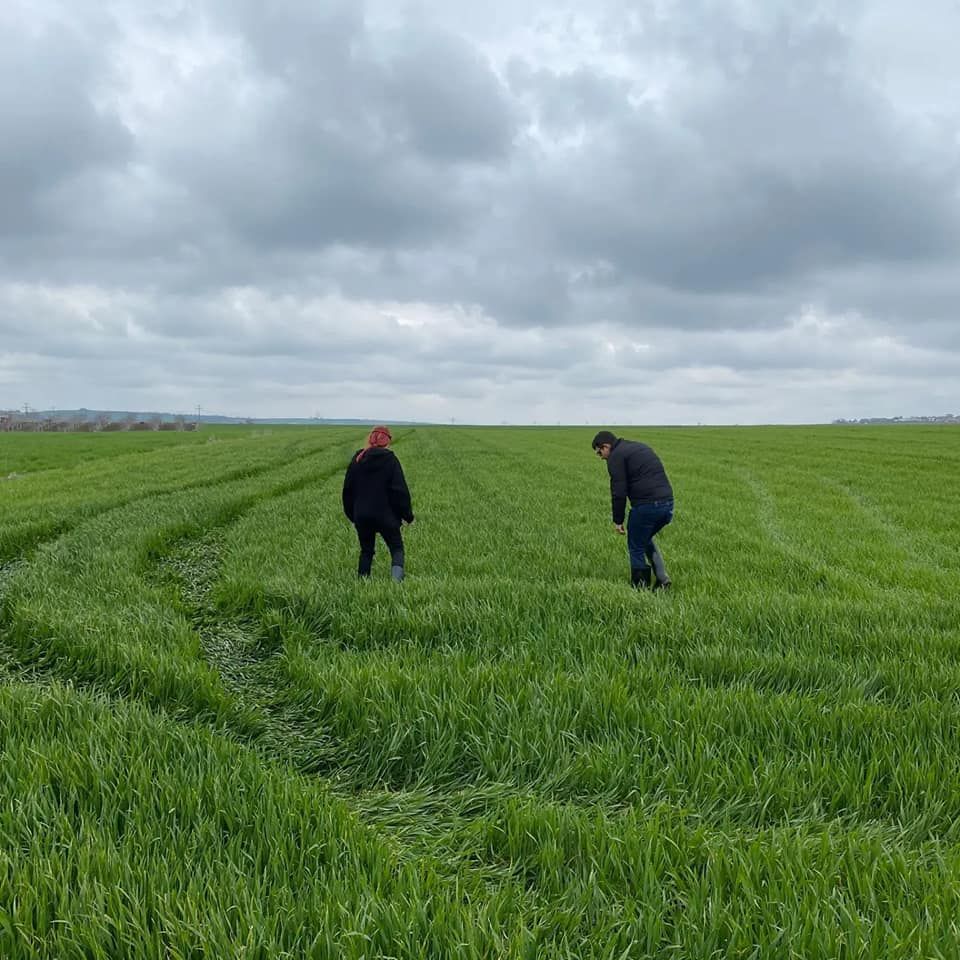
(216,742)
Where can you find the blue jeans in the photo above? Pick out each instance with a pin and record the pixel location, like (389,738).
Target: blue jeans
(645,522)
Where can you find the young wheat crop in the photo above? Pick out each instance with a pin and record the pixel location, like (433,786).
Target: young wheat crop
(217,742)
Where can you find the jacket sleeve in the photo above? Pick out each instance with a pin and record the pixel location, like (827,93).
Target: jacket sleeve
(400,494)
(348,490)
(617,466)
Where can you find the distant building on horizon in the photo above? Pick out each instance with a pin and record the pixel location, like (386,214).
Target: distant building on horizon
(944,418)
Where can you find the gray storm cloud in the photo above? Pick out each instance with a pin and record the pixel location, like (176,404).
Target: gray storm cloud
(580,198)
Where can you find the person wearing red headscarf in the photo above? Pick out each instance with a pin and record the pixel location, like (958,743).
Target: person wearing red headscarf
(376,500)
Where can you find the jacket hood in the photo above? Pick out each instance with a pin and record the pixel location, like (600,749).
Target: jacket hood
(377,457)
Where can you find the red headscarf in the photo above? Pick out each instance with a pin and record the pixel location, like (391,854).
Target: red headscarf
(379,437)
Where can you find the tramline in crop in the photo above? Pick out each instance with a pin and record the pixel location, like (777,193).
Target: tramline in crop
(217,742)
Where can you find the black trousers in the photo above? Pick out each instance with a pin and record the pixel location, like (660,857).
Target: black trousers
(367,535)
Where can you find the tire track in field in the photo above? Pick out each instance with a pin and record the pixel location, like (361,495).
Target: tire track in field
(939,558)
(10,668)
(250,658)
(420,824)
(228,637)
(12,566)
(245,655)
(787,545)
(238,650)
(838,568)
(47,532)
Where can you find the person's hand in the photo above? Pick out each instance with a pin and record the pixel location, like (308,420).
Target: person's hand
(618,527)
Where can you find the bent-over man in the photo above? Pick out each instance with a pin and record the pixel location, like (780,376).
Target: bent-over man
(637,474)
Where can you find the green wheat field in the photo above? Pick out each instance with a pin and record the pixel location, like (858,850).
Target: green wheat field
(216,743)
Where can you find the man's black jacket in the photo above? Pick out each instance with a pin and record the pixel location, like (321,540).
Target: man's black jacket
(635,472)
(375,490)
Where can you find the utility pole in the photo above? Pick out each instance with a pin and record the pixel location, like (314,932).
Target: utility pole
(198,416)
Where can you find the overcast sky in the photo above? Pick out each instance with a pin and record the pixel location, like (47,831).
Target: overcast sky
(655,211)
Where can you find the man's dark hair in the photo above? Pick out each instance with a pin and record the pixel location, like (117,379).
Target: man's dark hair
(604,436)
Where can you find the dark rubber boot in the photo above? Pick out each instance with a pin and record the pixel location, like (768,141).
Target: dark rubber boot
(640,576)
(663,580)
(396,571)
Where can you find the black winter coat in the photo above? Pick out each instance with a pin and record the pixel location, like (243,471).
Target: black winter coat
(635,472)
(375,490)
